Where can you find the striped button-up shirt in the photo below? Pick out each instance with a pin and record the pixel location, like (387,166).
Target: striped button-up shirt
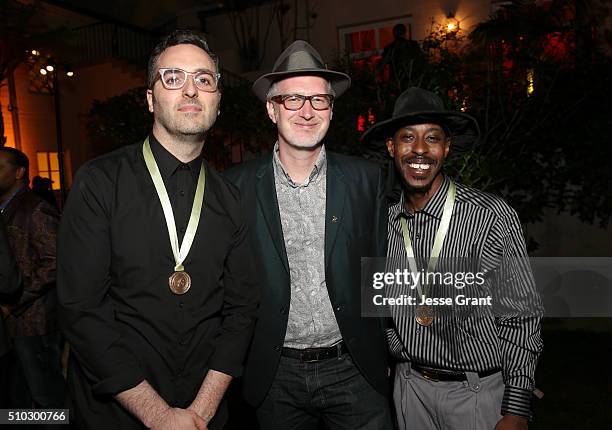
(485,237)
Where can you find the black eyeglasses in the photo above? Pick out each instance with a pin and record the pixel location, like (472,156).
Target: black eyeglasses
(174,79)
(296,101)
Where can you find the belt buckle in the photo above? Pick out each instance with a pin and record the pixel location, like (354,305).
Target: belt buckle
(430,375)
(310,356)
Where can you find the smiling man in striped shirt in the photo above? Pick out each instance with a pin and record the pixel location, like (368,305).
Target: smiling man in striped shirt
(468,363)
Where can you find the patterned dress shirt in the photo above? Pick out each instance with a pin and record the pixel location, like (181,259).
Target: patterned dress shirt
(312,322)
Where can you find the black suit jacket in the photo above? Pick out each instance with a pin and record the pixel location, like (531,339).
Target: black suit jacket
(10,280)
(355,227)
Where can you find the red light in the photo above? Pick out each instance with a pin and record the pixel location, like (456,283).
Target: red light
(360,123)
(371,117)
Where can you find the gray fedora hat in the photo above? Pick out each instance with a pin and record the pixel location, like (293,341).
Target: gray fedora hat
(300,58)
(419,106)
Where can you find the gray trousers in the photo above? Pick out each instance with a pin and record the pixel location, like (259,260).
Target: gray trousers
(422,404)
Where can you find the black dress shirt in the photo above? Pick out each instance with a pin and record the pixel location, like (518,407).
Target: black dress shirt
(117,311)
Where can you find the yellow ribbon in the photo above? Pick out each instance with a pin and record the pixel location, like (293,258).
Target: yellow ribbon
(449,203)
(179,252)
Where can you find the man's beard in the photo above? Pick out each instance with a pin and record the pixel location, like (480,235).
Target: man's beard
(183,125)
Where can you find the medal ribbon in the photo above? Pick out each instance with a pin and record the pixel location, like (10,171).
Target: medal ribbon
(180,253)
(449,203)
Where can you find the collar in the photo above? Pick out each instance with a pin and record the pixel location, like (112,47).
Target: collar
(318,168)
(20,190)
(168,163)
(434,207)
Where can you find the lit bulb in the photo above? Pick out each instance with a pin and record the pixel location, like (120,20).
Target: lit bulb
(50,68)
(451,26)
(35,52)
(70,73)
(43,72)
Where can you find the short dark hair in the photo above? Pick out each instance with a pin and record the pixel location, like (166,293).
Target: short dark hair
(18,159)
(399,31)
(177,37)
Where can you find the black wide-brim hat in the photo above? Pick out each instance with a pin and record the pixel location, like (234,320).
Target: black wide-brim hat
(300,58)
(419,106)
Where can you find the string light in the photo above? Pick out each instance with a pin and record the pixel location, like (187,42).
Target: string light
(530,82)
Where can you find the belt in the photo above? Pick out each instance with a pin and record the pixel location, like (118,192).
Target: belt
(315,354)
(434,374)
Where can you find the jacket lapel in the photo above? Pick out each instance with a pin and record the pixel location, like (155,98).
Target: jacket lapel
(268,203)
(335,197)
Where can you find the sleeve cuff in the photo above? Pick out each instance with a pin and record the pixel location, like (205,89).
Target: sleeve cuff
(122,380)
(517,401)
(224,366)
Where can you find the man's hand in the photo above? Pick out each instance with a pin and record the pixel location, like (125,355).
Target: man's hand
(179,419)
(4,311)
(512,422)
(144,402)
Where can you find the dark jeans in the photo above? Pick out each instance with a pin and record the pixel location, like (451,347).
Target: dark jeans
(40,359)
(329,391)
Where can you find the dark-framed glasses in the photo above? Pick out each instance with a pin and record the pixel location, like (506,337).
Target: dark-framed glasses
(296,101)
(174,79)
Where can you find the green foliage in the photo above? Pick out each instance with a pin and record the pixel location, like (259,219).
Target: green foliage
(245,118)
(118,121)
(539,150)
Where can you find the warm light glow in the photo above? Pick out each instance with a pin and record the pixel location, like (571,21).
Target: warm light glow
(371,117)
(43,72)
(530,82)
(70,73)
(452,25)
(50,68)
(35,52)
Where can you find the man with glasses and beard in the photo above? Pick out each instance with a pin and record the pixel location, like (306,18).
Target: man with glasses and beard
(154,272)
(312,215)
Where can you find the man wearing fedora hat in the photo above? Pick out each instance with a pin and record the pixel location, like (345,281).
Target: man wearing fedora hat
(466,351)
(312,215)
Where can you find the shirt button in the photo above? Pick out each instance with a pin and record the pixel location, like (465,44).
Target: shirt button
(417,237)
(181,304)
(182,193)
(283,311)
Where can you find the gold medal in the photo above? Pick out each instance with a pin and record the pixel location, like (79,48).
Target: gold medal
(424,315)
(180,282)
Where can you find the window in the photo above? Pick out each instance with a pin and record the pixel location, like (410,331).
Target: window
(48,167)
(366,40)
